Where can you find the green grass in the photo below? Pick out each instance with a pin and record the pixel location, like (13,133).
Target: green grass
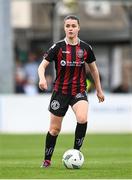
(106,156)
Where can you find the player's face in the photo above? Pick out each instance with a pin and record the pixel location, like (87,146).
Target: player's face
(71,28)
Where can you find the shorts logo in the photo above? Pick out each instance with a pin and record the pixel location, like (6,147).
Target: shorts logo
(79,95)
(63,63)
(55,105)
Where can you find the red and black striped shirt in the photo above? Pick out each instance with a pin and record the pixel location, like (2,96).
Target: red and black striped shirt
(70,65)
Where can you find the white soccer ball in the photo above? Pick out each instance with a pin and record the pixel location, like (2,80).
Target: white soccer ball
(73,159)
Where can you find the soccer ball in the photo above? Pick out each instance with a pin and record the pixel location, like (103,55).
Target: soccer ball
(73,159)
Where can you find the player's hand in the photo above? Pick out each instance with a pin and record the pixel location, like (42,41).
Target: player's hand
(100,96)
(43,84)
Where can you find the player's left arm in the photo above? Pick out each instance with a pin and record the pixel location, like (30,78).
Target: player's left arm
(95,74)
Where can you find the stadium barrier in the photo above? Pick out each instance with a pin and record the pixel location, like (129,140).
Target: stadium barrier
(29,114)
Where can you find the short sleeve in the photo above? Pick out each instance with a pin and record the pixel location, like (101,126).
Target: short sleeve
(51,54)
(90,55)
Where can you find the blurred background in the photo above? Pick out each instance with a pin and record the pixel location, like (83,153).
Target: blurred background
(29,27)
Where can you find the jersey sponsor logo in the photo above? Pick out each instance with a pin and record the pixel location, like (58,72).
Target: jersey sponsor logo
(74,63)
(55,105)
(80,53)
(71,63)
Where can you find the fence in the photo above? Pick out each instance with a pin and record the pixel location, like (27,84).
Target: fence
(29,114)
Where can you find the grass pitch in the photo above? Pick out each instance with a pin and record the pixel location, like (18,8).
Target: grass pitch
(106,156)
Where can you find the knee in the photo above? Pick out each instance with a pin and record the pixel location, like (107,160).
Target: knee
(54,131)
(82,118)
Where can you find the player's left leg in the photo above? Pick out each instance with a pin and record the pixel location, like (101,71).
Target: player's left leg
(80,109)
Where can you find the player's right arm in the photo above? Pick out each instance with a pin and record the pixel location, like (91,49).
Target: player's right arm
(49,56)
(41,73)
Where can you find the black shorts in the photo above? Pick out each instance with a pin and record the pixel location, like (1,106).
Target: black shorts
(59,102)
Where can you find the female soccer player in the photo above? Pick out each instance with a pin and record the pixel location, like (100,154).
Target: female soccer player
(70,56)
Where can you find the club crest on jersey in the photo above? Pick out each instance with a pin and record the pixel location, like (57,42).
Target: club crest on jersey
(55,105)
(63,62)
(80,53)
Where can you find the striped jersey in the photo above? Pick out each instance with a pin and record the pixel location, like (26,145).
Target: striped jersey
(70,65)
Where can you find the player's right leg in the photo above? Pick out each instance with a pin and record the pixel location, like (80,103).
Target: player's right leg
(58,107)
(51,137)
